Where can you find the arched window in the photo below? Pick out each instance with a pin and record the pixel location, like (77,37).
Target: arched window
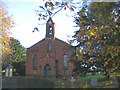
(65,61)
(50,46)
(50,30)
(35,60)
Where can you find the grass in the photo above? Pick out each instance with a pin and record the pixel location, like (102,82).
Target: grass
(90,76)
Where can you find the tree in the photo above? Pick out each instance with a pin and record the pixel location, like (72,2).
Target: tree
(18,51)
(18,57)
(98,34)
(51,8)
(6,24)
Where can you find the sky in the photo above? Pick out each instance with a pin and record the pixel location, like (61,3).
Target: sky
(25,17)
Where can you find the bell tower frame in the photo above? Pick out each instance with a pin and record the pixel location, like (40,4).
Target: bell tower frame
(50,29)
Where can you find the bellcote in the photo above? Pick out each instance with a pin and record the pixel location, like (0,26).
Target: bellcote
(50,29)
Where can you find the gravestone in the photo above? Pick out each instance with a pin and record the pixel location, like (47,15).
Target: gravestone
(72,80)
(94,82)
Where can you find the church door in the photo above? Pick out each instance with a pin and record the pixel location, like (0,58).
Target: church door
(47,71)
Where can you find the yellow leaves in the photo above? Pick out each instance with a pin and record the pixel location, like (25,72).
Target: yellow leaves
(80,23)
(81,51)
(7,23)
(116,25)
(112,55)
(93,29)
(9,20)
(52,7)
(106,63)
(92,34)
(102,27)
(93,51)
(96,28)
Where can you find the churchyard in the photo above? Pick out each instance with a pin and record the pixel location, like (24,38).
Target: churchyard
(88,81)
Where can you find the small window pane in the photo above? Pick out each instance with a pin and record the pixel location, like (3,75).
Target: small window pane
(50,31)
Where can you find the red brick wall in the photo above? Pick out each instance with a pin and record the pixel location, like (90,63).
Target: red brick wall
(59,48)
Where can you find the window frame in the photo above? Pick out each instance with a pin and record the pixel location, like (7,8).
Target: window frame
(65,60)
(49,47)
(50,30)
(35,60)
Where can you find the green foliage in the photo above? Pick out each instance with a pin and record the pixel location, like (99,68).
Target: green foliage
(18,51)
(18,57)
(19,68)
(98,34)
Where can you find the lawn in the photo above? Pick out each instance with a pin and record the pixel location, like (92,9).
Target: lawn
(90,76)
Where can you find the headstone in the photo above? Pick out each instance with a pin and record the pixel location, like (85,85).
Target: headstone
(94,82)
(72,80)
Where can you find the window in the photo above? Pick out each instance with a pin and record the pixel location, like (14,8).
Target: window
(35,59)
(65,61)
(50,30)
(50,46)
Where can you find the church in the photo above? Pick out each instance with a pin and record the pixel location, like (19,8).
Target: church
(50,57)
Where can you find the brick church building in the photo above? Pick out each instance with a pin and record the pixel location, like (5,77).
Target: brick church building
(50,56)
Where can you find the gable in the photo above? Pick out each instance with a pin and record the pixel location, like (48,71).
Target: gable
(64,43)
(36,45)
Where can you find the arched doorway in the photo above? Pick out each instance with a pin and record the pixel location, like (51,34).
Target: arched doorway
(47,71)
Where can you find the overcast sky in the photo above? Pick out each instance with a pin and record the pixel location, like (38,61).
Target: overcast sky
(25,17)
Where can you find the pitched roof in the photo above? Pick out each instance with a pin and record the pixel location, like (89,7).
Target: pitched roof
(45,39)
